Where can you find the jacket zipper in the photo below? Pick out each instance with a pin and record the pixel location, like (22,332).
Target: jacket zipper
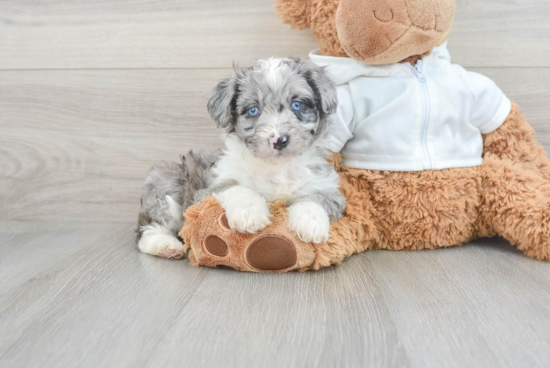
(417,69)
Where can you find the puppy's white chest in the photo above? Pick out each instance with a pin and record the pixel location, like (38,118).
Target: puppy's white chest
(273,181)
(277,184)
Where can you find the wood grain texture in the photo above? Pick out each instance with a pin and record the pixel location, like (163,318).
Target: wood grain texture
(484,306)
(107,305)
(84,140)
(76,145)
(501,33)
(148,34)
(29,248)
(214,33)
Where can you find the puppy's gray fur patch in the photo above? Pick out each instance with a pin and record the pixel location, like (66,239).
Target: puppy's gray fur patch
(183,182)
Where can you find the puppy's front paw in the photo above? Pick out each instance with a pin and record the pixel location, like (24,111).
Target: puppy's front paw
(248,219)
(246,211)
(309,221)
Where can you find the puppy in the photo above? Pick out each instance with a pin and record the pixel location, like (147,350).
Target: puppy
(275,115)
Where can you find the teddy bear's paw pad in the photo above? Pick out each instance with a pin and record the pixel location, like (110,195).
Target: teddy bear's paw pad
(271,253)
(216,246)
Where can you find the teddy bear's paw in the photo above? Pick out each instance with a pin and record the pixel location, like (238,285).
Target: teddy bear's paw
(309,221)
(264,253)
(161,244)
(214,243)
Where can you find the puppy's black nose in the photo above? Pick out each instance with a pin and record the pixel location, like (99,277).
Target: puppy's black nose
(282,142)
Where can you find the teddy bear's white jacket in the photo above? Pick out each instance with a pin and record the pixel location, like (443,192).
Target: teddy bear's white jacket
(403,118)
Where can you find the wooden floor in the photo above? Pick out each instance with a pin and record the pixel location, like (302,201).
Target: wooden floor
(93,92)
(79,295)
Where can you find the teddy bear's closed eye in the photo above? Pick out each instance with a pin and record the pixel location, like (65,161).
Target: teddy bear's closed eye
(384,16)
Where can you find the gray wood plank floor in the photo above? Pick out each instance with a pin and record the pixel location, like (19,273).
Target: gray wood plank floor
(81,295)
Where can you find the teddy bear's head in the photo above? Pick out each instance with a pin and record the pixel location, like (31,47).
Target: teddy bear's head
(372,31)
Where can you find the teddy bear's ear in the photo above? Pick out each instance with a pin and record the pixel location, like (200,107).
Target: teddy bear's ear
(297,13)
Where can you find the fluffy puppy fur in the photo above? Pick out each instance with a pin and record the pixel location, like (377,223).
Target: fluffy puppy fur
(275,116)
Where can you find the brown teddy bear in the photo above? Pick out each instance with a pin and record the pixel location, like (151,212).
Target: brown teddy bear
(474,171)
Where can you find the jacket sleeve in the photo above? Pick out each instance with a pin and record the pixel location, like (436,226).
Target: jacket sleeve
(341,129)
(490,106)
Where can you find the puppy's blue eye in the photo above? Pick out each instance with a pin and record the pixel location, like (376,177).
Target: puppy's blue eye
(296,106)
(254,111)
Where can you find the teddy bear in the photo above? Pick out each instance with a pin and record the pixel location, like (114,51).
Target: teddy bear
(429,155)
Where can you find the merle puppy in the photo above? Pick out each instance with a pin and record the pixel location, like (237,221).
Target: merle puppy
(275,115)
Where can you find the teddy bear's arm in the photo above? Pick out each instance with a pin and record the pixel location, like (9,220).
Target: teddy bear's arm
(515,140)
(490,106)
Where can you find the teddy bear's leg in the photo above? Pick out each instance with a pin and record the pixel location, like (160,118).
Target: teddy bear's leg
(516,187)
(517,206)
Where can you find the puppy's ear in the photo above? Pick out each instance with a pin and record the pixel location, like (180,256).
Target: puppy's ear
(297,13)
(222,103)
(323,87)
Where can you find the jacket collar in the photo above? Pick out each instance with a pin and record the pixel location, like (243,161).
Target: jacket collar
(344,69)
